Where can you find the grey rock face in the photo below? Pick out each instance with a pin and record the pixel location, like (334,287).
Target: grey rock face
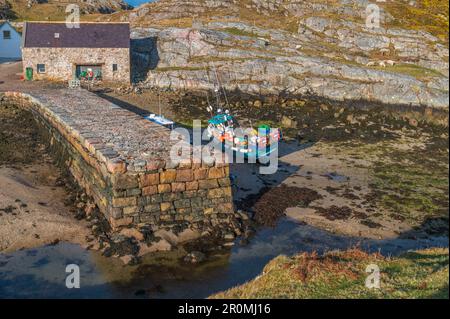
(107,6)
(334,56)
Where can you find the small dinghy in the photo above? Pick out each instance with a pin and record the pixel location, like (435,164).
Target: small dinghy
(161,120)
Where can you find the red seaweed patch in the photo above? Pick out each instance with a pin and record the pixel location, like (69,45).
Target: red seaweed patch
(271,203)
(335,212)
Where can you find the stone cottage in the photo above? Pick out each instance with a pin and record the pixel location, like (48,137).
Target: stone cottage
(54,50)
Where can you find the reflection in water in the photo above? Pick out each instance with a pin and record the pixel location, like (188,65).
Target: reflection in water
(41,272)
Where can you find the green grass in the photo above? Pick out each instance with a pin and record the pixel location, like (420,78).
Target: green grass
(418,274)
(414,183)
(412,192)
(408,173)
(180,68)
(189,124)
(427,15)
(38,12)
(51,11)
(412,70)
(239,32)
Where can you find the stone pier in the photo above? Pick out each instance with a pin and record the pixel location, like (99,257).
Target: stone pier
(122,161)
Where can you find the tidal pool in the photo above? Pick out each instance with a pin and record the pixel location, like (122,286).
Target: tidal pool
(40,272)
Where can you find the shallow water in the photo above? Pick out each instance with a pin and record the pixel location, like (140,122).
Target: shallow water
(337,178)
(40,272)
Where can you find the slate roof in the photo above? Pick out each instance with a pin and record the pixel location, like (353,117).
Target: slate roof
(88,35)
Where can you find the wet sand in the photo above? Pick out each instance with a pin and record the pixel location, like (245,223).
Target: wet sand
(34,201)
(32,211)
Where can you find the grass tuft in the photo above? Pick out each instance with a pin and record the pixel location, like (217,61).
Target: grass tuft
(342,274)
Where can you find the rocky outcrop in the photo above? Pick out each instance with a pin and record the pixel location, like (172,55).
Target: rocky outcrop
(324,49)
(105,6)
(31,3)
(5,10)
(55,6)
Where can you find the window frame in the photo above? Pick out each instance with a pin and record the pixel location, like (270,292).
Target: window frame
(6,32)
(115,67)
(39,70)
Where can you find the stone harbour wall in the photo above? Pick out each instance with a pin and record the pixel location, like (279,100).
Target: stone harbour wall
(131,185)
(168,196)
(60,63)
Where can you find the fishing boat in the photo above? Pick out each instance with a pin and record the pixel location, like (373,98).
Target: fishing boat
(224,129)
(257,143)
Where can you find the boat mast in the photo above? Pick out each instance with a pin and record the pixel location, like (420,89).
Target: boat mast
(221,87)
(159,103)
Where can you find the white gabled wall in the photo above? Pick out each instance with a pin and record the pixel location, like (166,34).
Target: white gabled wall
(10,48)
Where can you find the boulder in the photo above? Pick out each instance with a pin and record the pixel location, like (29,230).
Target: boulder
(195,257)
(161,245)
(288,122)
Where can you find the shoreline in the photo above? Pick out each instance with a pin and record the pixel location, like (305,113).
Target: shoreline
(320,165)
(324,139)
(335,171)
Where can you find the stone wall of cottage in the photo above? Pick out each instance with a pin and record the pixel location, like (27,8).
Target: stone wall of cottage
(60,62)
(159,195)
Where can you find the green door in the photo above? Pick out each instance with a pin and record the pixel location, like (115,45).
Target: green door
(81,71)
(29,74)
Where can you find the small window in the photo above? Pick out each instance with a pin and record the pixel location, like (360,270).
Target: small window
(115,67)
(6,34)
(41,68)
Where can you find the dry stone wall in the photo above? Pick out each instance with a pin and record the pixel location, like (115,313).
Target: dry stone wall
(121,161)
